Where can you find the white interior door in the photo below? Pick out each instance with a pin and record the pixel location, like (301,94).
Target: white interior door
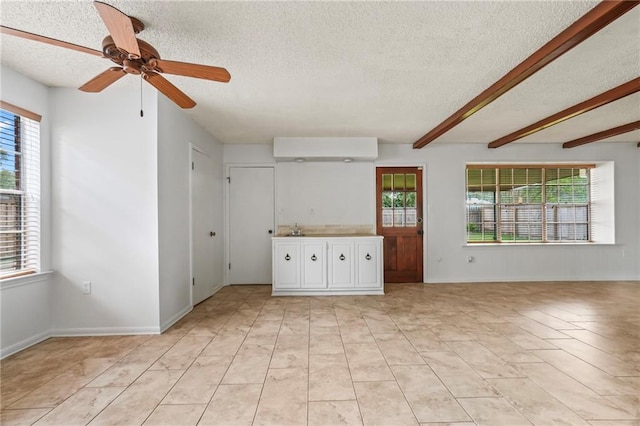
(206,269)
(251,224)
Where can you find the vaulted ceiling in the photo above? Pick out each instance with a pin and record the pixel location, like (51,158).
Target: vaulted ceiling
(393,70)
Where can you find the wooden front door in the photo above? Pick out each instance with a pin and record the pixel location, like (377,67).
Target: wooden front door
(399,220)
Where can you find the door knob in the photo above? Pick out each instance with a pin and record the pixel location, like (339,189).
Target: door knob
(270,231)
(420,232)
(212,234)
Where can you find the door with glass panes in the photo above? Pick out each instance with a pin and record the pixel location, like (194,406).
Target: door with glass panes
(399,219)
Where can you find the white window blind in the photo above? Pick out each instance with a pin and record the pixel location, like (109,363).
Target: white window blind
(19,191)
(528,203)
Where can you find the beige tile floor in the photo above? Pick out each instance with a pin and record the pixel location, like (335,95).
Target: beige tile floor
(461,354)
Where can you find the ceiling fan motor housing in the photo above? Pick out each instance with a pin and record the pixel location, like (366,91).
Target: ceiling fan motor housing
(131,65)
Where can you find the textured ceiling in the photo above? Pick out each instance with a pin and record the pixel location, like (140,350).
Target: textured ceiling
(393,70)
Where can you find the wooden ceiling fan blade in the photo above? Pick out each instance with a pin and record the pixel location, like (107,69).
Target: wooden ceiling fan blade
(192,70)
(103,80)
(169,90)
(120,28)
(48,40)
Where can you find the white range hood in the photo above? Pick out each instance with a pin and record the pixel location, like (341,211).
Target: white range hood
(325,149)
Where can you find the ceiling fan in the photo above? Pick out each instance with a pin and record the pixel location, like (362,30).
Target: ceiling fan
(133,56)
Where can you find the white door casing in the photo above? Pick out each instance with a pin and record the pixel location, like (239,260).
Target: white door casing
(206,249)
(251,224)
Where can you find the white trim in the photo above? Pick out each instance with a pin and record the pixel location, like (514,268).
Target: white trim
(104,331)
(215,290)
(174,319)
(24,344)
(177,317)
(94,331)
(349,292)
(25,280)
(200,150)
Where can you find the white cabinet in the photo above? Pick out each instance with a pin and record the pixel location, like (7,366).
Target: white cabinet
(368,261)
(341,265)
(327,266)
(286,265)
(314,265)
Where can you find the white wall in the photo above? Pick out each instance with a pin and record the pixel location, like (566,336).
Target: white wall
(325,193)
(176,131)
(315,193)
(248,154)
(25,308)
(105,211)
(446,252)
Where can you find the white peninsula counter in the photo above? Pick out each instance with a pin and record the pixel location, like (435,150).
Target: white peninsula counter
(323,265)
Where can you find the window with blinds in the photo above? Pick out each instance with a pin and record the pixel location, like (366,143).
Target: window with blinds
(529,203)
(19,191)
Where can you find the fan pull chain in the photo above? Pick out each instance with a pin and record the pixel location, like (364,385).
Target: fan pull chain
(141,112)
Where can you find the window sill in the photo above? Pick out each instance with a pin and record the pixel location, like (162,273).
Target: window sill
(25,280)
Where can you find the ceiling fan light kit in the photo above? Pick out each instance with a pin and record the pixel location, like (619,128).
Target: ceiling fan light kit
(133,56)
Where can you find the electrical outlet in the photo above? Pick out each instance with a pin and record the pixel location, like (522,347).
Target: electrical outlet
(470,259)
(86,287)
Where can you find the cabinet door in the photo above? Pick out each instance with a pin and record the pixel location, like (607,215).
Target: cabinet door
(341,265)
(314,267)
(286,264)
(368,255)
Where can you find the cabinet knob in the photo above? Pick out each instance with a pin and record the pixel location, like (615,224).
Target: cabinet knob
(342,257)
(314,258)
(287,257)
(368,256)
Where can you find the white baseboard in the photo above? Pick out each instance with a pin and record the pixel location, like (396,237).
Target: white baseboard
(217,289)
(177,317)
(174,319)
(103,331)
(24,344)
(96,331)
(329,292)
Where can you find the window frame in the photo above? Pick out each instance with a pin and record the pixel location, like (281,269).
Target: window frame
(27,174)
(544,204)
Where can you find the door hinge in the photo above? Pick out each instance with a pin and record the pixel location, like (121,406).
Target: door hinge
(193,165)
(229,179)
(229,266)
(193,281)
